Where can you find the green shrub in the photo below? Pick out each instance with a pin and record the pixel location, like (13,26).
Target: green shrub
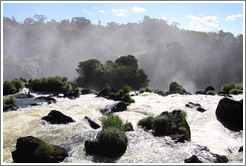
(18,84)
(146,122)
(210,92)
(9,100)
(159,92)
(78,89)
(239,86)
(112,120)
(225,88)
(8,88)
(127,88)
(112,134)
(234,91)
(142,90)
(176,88)
(127,126)
(127,98)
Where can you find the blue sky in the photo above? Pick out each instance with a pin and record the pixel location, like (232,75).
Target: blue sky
(207,17)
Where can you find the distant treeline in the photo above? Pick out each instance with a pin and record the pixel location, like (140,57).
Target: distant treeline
(36,48)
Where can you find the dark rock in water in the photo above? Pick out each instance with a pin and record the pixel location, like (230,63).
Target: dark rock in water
(106,92)
(93,124)
(71,95)
(209,88)
(34,104)
(33,150)
(220,158)
(49,100)
(240,149)
(115,107)
(9,107)
(85,91)
(56,117)
(200,92)
(178,138)
(230,113)
(110,143)
(195,105)
(192,159)
(24,95)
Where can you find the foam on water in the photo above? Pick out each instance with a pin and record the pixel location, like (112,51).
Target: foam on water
(143,147)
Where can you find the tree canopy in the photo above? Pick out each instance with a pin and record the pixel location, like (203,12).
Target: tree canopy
(124,71)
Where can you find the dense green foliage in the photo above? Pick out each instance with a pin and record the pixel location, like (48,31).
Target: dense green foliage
(176,88)
(50,84)
(112,120)
(231,88)
(173,123)
(9,100)
(12,87)
(124,71)
(157,91)
(210,92)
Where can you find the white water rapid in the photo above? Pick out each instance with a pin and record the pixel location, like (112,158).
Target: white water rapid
(143,147)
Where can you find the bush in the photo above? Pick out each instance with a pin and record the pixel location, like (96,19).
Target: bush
(173,123)
(146,123)
(112,120)
(127,126)
(18,84)
(225,88)
(210,92)
(234,91)
(112,134)
(9,100)
(176,88)
(239,86)
(51,84)
(8,88)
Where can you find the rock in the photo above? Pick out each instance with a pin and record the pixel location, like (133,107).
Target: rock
(111,143)
(9,107)
(106,92)
(200,92)
(34,104)
(230,113)
(115,107)
(240,149)
(49,100)
(24,95)
(93,124)
(56,117)
(85,91)
(220,158)
(71,95)
(192,159)
(33,150)
(208,88)
(178,138)
(195,105)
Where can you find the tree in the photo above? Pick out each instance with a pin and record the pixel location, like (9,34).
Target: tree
(129,61)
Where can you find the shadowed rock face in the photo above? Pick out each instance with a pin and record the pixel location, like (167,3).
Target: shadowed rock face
(93,124)
(115,107)
(56,117)
(230,113)
(33,150)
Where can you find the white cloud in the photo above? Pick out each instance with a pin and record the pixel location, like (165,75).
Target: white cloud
(205,23)
(233,17)
(138,10)
(102,11)
(88,12)
(164,18)
(120,12)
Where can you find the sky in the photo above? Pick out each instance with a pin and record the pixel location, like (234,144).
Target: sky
(207,17)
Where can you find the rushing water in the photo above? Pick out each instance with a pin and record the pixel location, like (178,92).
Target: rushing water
(143,147)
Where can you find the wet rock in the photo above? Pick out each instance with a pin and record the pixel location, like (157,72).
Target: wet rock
(24,95)
(56,117)
(9,107)
(85,91)
(33,150)
(106,92)
(178,138)
(192,159)
(230,113)
(111,142)
(240,149)
(71,95)
(34,104)
(220,158)
(195,105)
(204,92)
(115,107)
(48,99)
(93,124)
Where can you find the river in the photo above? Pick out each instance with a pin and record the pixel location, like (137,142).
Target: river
(143,147)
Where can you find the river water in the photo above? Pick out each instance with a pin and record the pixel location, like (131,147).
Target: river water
(143,147)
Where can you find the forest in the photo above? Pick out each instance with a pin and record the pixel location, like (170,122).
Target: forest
(36,48)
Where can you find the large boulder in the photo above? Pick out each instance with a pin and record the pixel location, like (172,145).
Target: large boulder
(106,92)
(115,107)
(71,95)
(33,150)
(230,113)
(56,117)
(207,89)
(111,142)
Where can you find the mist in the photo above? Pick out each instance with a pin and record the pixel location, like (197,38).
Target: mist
(165,52)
